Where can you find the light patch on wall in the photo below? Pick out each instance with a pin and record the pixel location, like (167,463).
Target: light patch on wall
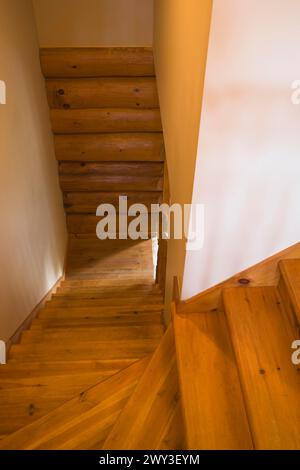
(296,94)
(2,92)
(2,353)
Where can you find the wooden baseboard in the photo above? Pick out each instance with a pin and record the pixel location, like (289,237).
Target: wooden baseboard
(27,322)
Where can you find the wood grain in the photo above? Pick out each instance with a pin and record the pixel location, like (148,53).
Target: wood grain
(98,182)
(113,169)
(290,276)
(87,202)
(213,408)
(78,121)
(82,422)
(110,147)
(262,339)
(97,62)
(102,93)
(156,398)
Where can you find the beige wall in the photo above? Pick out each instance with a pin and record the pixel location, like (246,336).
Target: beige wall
(71,23)
(248,164)
(181,31)
(33,236)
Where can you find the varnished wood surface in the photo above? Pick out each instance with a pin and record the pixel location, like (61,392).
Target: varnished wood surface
(87,202)
(98,182)
(134,146)
(97,62)
(156,398)
(83,422)
(290,273)
(109,120)
(262,338)
(94,326)
(212,402)
(106,124)
(102,93)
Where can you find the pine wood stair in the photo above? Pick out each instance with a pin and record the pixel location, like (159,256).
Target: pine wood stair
(152,417)
(69,348)
(212,401)
(83,422)
(216,379)
(238,385)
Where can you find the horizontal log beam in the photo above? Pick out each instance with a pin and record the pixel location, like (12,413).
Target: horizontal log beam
(76,121)
(110,183)
(102,93)
(87,202)
(110,147)
(97,62)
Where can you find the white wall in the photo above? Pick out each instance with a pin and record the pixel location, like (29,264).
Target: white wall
(248,164)
(33,232)
(95,23)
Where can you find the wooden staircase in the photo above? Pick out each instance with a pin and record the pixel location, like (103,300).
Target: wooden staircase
(97,369)
(108,377)
(79,339)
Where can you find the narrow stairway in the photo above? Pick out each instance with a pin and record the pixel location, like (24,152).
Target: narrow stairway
(97,369)
(88,346)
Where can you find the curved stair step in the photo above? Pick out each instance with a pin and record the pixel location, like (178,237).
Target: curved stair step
(84,421)
(151,418)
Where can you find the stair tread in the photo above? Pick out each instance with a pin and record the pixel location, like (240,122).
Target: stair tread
(156,399)
(110,283)
(262,338)
(16,370)
(100,310)
(118,349)
(209,384)
(100,302)
(103,333)
(90,321)
(70,290)
(130,296)
(82,422)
